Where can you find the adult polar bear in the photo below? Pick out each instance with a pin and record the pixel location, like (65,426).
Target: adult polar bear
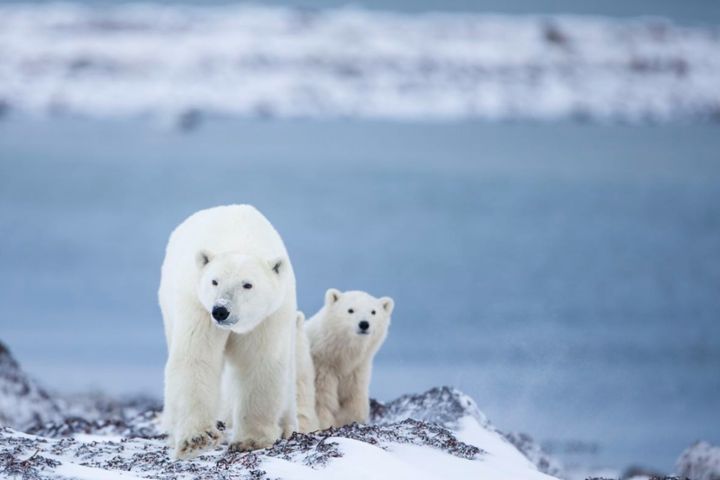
(227,295)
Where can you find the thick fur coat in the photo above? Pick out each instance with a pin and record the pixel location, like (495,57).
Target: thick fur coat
(307,419)
(227,295)
(344,337)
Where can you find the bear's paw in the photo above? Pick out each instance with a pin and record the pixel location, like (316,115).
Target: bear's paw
(192,445)
(249,445)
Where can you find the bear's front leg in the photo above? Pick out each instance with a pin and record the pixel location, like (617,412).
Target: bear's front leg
(260,391)
(192,382)
(354,398)
(326,397)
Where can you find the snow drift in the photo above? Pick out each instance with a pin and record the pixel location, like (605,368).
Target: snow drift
(183,62)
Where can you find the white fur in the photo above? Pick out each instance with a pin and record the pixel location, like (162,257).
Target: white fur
(343,356)
(307,420)
(235,246)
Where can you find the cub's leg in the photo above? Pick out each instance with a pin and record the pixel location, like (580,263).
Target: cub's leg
(354,398)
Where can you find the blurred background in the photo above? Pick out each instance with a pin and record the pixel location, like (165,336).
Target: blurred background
(536,184)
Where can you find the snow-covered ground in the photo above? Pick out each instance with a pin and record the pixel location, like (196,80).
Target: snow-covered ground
(178,63)
(438,434)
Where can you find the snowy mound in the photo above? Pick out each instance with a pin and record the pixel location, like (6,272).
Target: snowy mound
(438,434)
(442,405)
(184,62)
(78,448)
(23,403)
(700,462)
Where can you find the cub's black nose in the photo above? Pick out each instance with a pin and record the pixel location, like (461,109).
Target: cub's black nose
(220,313)
(364,325)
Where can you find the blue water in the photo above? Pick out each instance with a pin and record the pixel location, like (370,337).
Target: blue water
(567,276)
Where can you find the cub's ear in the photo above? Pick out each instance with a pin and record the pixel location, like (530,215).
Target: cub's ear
(300,319)
(202,258)
(388,304)
(332,296)
(277,265)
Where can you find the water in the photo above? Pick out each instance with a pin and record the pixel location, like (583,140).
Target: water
(564,275)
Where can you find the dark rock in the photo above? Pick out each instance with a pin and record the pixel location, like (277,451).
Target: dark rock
(636,471)
(29,468)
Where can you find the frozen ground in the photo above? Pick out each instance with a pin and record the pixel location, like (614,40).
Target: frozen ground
(440,433)
(179,64)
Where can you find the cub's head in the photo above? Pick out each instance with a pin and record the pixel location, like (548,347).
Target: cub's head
(359,315)
(239,291)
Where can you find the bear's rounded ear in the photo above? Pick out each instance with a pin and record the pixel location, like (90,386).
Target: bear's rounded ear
(332,296)
(277,265)
(202,258)
(388,304)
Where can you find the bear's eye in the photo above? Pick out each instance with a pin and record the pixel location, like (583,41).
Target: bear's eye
(350,310)
(373,312)
(214,282)
(247,286)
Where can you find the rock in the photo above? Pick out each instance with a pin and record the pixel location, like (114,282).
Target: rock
(442,405)
(635,472)
(700,461)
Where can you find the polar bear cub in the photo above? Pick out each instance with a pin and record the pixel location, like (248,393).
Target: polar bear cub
(307,420)
(227,295)
(344,337)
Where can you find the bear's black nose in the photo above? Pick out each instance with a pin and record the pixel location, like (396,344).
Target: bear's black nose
(364,325)
(220,313)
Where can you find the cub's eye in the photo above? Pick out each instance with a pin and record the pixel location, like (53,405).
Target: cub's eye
(373,312)
(350,310)
(214,282)
(247,286)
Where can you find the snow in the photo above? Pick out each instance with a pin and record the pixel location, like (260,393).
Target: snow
(500,450)
(179,63)
(96,457)
(700,462)
(22,401)
(80,472)
(438,433)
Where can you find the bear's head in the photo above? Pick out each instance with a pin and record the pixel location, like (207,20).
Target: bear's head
(239,291)
(358,316)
